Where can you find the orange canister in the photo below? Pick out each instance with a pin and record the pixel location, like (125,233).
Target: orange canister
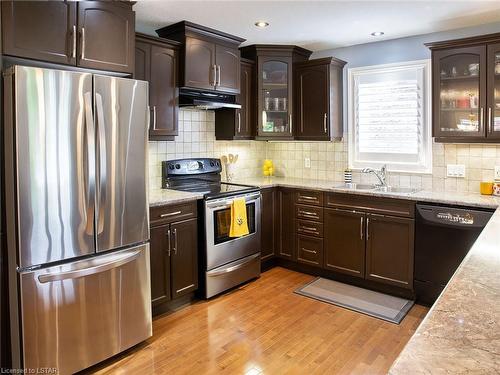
(486,188)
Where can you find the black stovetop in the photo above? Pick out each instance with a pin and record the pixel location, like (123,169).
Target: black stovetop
(200,176)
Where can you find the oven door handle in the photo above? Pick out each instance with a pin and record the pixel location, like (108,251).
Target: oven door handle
(227,203)
(236,267)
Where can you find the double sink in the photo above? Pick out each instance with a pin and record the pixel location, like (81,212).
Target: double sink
(377,188)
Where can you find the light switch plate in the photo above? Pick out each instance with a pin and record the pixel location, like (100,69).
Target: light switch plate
(497,172)
(307,163)
(455,170)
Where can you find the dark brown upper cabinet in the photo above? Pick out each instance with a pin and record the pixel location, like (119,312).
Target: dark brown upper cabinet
(42,30)
(465,87)
(274,88)
(88,34)
(210,59)
(318,99)
(107,34)
(238,124)
(156,61)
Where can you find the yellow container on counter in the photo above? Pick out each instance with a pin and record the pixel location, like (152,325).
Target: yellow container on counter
(486,188)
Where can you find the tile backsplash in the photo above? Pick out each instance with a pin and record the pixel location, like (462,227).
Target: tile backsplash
(197,139)
(328,159)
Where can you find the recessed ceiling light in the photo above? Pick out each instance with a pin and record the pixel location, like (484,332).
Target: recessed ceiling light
(377,33)
(262,24)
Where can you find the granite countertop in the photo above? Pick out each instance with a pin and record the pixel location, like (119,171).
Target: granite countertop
(454,198)
(461,332)
(161,197)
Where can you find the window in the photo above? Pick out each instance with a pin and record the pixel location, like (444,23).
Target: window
(390,116)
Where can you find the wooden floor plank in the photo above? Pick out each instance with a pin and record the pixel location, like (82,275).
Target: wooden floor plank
(265,328)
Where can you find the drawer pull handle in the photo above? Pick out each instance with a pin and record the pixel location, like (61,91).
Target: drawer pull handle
(309,228)
(309,251)
(171,214)
(308,198)
(307,213)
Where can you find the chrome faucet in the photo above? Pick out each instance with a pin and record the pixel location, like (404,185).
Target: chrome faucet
(381,175)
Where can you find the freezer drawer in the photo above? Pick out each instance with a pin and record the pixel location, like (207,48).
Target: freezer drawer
(80,313)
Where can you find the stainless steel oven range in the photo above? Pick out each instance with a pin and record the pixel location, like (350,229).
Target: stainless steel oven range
(226,261)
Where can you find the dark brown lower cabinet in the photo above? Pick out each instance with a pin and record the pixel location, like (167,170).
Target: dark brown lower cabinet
(268,223)
(389,250)
(286,237)
(310,250)
(160,265)
(174,257)
(184,257)
(345,241)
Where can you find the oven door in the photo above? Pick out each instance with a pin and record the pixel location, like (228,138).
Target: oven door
(222,249)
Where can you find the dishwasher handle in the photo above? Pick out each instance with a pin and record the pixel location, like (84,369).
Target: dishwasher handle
(452,217)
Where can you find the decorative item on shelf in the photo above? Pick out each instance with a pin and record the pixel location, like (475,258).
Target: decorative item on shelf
(229,165)
(474,69)
(268,167)
(348,176)
(463,103)
(454,72)
(443,74)
(473,100)
(486,188)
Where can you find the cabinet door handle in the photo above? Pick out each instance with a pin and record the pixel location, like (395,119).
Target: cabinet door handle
(175,240)
(239,122)
(290,119)
(481,118)
(73,52)
(171,214)
(324,123)
(214,73)
(490,123)
(168,240)
(154,116)
(367,228)
(83,43)
(361,228)
(218,74)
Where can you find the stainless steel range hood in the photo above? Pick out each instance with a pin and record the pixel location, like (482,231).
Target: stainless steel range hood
(206,100)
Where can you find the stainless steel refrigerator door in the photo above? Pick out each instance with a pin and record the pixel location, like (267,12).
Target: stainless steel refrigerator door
(55,164)
(80,313)
(121,112)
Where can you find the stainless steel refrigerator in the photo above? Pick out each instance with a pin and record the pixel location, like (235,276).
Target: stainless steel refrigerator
(77,216)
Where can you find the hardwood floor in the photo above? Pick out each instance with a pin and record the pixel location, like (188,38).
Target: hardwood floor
(264,328)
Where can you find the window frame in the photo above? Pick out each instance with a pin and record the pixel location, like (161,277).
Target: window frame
(420,168)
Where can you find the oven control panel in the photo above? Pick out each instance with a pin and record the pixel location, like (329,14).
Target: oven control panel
(182,167)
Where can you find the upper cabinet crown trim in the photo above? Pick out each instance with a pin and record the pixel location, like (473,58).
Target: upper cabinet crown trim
(156,40)
(464,42)
(179,30)
(282,49)
(322,61)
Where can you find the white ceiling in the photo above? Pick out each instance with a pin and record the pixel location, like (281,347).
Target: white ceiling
(318,25)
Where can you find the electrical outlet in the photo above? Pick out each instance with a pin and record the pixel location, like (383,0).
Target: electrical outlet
(497,172)
(307,163)
(455,170)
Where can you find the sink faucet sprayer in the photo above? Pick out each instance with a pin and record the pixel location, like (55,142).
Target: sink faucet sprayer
(381,175)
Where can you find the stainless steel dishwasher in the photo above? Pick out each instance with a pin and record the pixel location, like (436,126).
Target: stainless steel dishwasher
(443,237)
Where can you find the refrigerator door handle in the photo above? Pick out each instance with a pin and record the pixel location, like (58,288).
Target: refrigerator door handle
(73,274)
(101,128)
(90,162)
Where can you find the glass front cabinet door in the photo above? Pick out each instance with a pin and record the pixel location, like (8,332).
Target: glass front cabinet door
(493,116)
(274,97)
(460,103)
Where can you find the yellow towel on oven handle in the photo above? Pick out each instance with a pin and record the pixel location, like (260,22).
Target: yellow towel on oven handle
(239,223)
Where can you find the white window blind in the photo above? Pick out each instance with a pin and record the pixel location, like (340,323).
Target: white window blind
(389,117)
